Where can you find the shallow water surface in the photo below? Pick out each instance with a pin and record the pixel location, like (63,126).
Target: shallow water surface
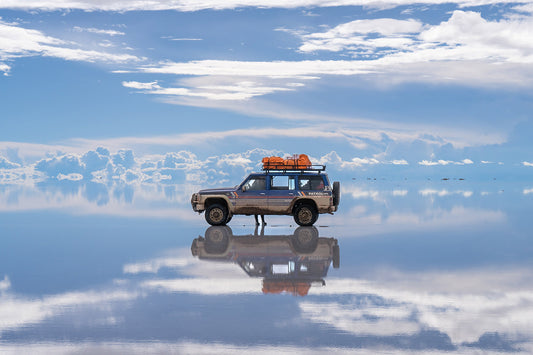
(408,267)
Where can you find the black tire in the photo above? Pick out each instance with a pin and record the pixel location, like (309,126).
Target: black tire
(305,239)
(217,239)
(305,215)
(216,214)
(336,193)
(230,216)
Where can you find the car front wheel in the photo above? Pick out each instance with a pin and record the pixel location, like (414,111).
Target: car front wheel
(305,215)
(216,214)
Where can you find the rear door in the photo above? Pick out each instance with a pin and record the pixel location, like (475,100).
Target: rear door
(281,194)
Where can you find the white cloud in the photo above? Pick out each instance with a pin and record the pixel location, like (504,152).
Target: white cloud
(353,36)
(187,347)
(401,193)
(6,164)
(464,36)
(525,163)
(99,31)
(234,91)
(375,321)
(466,49)
(444,192)
(5,284)
(182,39)
(16,312)
(276,69)
(153,266)
(206,286)
(141,86)
(70,177)
(192,5)
(464,305)
(445,162)
(17,41)
(4,68)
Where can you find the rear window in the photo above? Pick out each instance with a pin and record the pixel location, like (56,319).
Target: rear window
(282,182)
(311,183)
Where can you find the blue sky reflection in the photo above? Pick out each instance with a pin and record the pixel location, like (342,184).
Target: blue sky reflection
(443,271)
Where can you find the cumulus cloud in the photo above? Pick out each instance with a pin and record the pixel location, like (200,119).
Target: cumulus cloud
(464,36)
(6,164)
(333,159)
(360,36)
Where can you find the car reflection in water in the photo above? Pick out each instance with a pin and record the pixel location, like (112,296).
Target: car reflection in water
(287,263)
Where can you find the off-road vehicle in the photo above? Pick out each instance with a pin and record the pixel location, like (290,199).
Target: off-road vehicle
(303,193)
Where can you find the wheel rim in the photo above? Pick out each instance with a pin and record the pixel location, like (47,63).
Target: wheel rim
(217,236)
(305,237)
(305,216)
(216,215)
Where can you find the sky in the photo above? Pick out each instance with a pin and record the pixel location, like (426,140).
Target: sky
(359,85)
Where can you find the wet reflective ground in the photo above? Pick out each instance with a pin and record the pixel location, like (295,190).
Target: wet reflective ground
(409,267)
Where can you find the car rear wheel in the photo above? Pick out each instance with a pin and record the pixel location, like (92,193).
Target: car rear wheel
(216,214)
(305,239)
(305,215)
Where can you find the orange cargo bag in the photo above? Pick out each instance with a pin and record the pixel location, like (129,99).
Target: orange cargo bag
(273,163)
(298,162)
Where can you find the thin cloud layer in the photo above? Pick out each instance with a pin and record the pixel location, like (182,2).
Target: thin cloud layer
(191,5)
(17,41)
(466,50)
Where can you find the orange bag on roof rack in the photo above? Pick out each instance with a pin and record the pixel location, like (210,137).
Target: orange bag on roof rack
(273,163)
(297,161)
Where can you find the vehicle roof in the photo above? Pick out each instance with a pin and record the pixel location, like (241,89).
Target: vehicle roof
(291,172)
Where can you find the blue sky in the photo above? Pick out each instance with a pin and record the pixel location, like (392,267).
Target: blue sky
(391,83)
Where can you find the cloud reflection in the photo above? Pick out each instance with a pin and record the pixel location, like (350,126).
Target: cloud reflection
(465,306)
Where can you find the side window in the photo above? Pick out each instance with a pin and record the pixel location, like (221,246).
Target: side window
(281,182)
(255,183)
(311,183)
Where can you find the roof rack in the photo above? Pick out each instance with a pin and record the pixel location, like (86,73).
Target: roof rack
(285,168)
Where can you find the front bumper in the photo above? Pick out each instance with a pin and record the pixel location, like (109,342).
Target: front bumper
(195,203)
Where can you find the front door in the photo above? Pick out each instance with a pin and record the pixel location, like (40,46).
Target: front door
(252,197)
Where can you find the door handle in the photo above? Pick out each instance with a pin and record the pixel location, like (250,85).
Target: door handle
(261,193)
